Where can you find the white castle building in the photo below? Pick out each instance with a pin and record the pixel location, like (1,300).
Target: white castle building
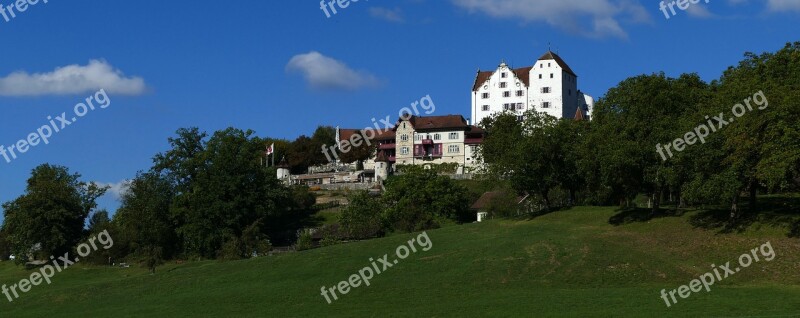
(549,86)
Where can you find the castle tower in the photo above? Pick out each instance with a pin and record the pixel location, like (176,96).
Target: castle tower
(381,167)
(283,171)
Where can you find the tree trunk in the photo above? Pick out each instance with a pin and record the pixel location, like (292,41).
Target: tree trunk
(735,206)
(571,197)
(546,201)
(656,202)
(753,187)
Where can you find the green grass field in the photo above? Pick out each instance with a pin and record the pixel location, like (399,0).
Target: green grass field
(571,263)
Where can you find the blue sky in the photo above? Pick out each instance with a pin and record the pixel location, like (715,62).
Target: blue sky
(282,68)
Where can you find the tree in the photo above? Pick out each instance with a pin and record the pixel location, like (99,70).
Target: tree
(760,148)
(420,199)
(231,191)
(144,219)
(361,218)
(636,122)
(51,213)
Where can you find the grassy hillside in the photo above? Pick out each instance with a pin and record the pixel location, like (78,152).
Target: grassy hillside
(569,263)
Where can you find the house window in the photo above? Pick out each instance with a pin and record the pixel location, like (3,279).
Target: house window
(474,149)
(453,135)
(404,137)
(453,149)
(404,150)
(548,64)
(485,95)
(520,106)
(507,94)
(504,75)
(417,137)
(541,65)
(545,90)
(540,76)
(485,107)
(570,92)
(545,104)
(508,106)
(520,118)
(437,137)
(551,75)
(520,93)
(502,84)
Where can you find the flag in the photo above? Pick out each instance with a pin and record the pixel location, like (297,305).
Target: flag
(270,149)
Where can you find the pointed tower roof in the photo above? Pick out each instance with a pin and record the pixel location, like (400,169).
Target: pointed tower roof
(549,55)
(283,163)
(381,157)
(579,115)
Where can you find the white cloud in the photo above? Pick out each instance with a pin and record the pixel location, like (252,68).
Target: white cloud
(116,190)
(391,15)
(699,11)
(596,18)
(783,5)
(773,5)
(323,72)
(71,79)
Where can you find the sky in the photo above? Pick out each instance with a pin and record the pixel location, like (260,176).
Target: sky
(282,68)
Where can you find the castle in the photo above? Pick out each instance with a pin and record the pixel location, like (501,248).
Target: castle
(549,86)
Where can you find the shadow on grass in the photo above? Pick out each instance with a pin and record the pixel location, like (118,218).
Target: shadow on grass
(533,215)
(631,215)
(774,211)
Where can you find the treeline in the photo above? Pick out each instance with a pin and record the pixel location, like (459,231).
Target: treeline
(206,197)
(305,151)
(680,138)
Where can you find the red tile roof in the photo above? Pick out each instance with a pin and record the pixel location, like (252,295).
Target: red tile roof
(438,122)
(523,73)
(345,134)
(481,78)
(579,115)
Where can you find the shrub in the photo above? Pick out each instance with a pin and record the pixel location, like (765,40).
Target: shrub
(304,240)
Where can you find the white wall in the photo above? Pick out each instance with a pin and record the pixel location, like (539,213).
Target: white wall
(496,99)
